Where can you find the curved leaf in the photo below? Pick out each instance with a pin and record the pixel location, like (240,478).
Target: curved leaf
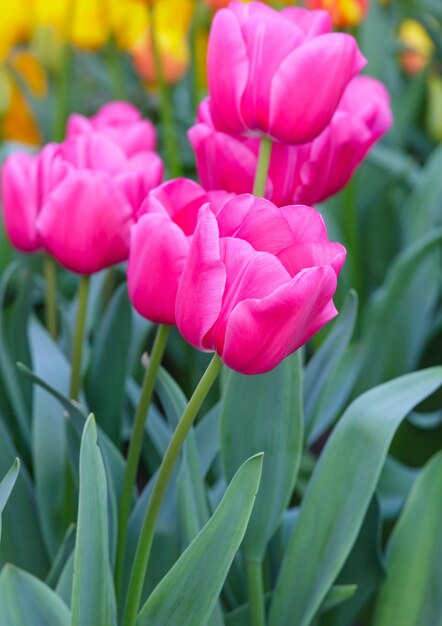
(93,599)
(339,493)
(6,487)
(412,593)
(187,594)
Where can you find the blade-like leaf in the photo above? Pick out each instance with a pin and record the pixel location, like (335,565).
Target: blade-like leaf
(339,493)
(48,435)
(188,593)
(93,599)
(6,487)
(264,413)
(25,600)
(412,593)
(327,357)
(106,376)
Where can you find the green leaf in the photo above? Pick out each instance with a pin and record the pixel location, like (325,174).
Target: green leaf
(6,487)
(29,554)
(61,558)
(363,567)
(48,435)
(337,595)
(187,594)
(400,319)
(264,413)
(327,357)
(8,370)
(25,600)
(106,376)
(412,593)
(93,599)
(341,488)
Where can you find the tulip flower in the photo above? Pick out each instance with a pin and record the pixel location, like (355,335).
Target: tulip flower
(258,282)
(160,243)
(306,173)
(290,94)
(122,122)
(90,192)
(344,13)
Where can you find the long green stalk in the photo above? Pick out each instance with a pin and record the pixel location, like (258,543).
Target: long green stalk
(135,445)
(78,340)
(256,593)
(165,472)
(50,274)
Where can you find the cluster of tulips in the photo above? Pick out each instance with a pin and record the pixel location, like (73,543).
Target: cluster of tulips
(249,278)
(241,264)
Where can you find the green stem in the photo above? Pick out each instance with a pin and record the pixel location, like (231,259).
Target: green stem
(50,273)
(116,70)
(256,593)
(135,445)
(194,34)
(77,346)
(164,473)
(166,109)
(262,168)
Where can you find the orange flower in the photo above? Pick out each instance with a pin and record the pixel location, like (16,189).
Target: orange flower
(344,13)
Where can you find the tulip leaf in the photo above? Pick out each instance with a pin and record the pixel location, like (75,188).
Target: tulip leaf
(93,599)
(327,357)
(412,592)
(357,447)
(48,436)
(8,370)
(400,319)
(29,554)
(6,487)
(25,600)
(105,379)
(264,413)
(188,593)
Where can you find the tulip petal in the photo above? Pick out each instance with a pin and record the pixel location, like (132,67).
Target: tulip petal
(182,198)
(275,34)
(309,84)
(202,284)
(243,217)
(158,251)
(306,223)
(228,70)
(262,332)
(296,258)
(223,161)
(312,23)
(19,199)
(250,274)
(95,151)
(85,222)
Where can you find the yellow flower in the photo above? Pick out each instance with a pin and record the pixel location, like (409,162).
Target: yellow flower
(15,24)
(418,45)
(344,13)
(172,19)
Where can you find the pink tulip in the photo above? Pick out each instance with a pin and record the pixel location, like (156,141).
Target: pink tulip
(306,173)
(160,243)
(122,122)
(90,193)
(277,73)
(258,282)
(19,200)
